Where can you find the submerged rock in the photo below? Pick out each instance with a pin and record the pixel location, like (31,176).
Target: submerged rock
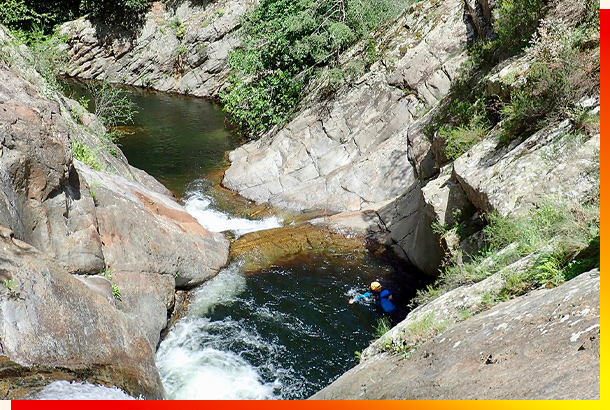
(264,249)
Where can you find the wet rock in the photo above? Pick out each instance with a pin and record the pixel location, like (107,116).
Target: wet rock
(545,345)
(49,319)
(263,249)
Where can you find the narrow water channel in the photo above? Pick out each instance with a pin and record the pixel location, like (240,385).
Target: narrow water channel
(283,333)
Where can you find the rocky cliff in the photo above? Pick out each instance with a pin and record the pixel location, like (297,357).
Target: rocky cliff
(181,47)
(90,259)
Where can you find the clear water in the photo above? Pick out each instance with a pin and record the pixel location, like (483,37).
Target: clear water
(284,333)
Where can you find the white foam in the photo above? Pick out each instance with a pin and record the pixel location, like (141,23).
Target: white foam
(64,390)
(194,361)
(198,205)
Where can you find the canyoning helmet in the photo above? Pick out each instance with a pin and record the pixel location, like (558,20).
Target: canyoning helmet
(375,286)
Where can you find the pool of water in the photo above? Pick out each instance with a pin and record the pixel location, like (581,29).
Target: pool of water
(283,333)
(175,138)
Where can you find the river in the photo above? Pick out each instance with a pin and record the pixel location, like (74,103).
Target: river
(282,333)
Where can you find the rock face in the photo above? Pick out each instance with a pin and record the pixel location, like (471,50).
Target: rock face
(182,47)
(60,219)
(543,345)
(514,177)
(364,149)
(50,319)
(357,150)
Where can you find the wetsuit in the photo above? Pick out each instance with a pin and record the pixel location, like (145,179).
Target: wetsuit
(386,304)
(384,300)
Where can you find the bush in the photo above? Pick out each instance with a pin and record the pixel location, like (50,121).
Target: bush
(564,237)
(112,107)
(126,13)
(564,71)
(516,23)
(85,155)
(283,42)
(24,15)
(460,139)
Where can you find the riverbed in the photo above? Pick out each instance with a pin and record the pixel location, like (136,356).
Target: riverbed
(282,333)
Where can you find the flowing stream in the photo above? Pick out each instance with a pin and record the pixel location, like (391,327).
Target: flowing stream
(283,333)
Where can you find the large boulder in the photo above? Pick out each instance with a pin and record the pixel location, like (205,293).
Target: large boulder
(50,319)
(545,345)
(144,231)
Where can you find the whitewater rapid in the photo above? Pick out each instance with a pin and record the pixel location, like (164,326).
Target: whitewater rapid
(200,206)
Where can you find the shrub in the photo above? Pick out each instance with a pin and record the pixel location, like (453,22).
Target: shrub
(112,107)
(126,13)
(86,155)
(564,237)
(283,43)
(562,73)
(24,15)
(516,23)
(460,139)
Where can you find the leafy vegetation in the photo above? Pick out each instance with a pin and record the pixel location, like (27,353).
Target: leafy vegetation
(564,68)
(283,43)
(10,285)
(116,292)
(25,15)
(86,155)
(112,106)
(563,238)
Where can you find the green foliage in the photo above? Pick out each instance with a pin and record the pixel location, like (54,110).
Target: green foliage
(178,26)
(86,155)
(460,139)
(10,285)
(180,55)
(116,292)
(24,15)
(47,55)
(382,327)
(112,106)
(126,13)
(416,334)
(564,237)
(564,71)
(516,23)
(283,42)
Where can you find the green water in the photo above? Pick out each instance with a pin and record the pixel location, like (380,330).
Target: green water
(175,138)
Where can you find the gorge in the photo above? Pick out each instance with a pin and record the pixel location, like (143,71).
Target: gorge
(422,161)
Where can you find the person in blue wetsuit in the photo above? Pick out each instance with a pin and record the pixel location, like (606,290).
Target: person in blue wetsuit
(385,300)
(384,297)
